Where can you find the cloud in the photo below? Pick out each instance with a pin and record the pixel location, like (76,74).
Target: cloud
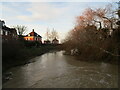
(9,11)
(43,12)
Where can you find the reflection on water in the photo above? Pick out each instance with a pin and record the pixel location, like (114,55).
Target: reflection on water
(55,70)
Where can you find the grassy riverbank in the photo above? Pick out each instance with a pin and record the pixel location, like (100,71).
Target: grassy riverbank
(23,56)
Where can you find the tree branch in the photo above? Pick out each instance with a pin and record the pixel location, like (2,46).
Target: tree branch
(106,51)
(99,23)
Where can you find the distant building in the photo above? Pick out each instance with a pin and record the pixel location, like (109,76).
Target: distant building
(47,42)
(7,33)
(33,36)
(55,41)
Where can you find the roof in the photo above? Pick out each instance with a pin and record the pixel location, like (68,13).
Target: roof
(55,39)
(5,28)
(8,29)
(33,34)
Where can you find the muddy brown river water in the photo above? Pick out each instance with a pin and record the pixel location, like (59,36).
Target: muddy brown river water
(55,70)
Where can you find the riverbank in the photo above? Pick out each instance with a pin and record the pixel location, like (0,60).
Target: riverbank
(24,55)
(107,58)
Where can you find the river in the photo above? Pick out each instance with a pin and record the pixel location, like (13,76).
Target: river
(55,70)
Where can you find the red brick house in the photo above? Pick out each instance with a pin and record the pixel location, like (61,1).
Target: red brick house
(33,36)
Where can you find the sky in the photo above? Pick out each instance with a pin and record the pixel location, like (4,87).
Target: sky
(41,16)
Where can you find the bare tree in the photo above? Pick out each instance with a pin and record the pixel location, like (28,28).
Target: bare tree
(53,34)
(20,29)
(47,34)
(92,31)
(102,17)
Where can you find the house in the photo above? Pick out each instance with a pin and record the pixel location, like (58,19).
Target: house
(33,36)
(55,41)
(7,33)
(47,42)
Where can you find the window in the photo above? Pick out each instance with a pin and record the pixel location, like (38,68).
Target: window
(6,33)
(1,32)
(35,38)
(28,34)
(13,35)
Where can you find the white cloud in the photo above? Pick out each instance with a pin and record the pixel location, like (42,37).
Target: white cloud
(8,13)
(43,12)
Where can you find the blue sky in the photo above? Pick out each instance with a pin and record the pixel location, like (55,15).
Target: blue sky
(43,15)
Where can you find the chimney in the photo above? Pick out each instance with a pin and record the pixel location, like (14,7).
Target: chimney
(2,23)
(33,30)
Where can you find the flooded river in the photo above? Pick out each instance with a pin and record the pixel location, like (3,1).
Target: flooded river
(55,70)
